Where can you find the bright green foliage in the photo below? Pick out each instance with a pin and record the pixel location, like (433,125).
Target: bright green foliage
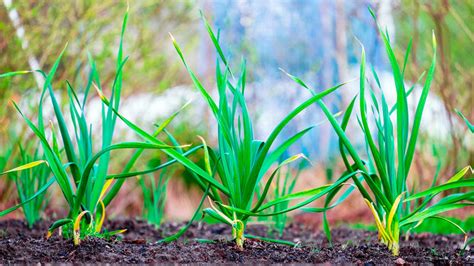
(28,182)
(237,166)
(395,207)
(235,169)
(81,173)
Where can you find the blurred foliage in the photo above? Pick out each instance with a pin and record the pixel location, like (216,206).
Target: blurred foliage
(91,26)
(29,182)
(154,187)
(451,21)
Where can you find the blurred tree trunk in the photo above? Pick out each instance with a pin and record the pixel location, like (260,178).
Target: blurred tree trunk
(453,84)
(446,93)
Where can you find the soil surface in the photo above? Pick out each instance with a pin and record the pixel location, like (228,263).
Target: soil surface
(211,243)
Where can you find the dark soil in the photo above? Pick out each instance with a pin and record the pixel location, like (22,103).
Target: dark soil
(18,244)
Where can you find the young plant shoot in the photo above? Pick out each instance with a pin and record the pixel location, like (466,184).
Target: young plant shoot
(154,195)
(394,205)
(240,161)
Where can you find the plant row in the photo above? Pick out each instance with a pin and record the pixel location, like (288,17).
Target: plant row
(242,177)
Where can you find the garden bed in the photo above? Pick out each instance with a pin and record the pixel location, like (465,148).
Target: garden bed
(19,244)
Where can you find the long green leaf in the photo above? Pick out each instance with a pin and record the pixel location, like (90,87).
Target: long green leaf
(433,211)
(435,190)
(419,110)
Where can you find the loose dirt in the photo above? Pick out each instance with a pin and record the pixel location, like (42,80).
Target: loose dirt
(211,244)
